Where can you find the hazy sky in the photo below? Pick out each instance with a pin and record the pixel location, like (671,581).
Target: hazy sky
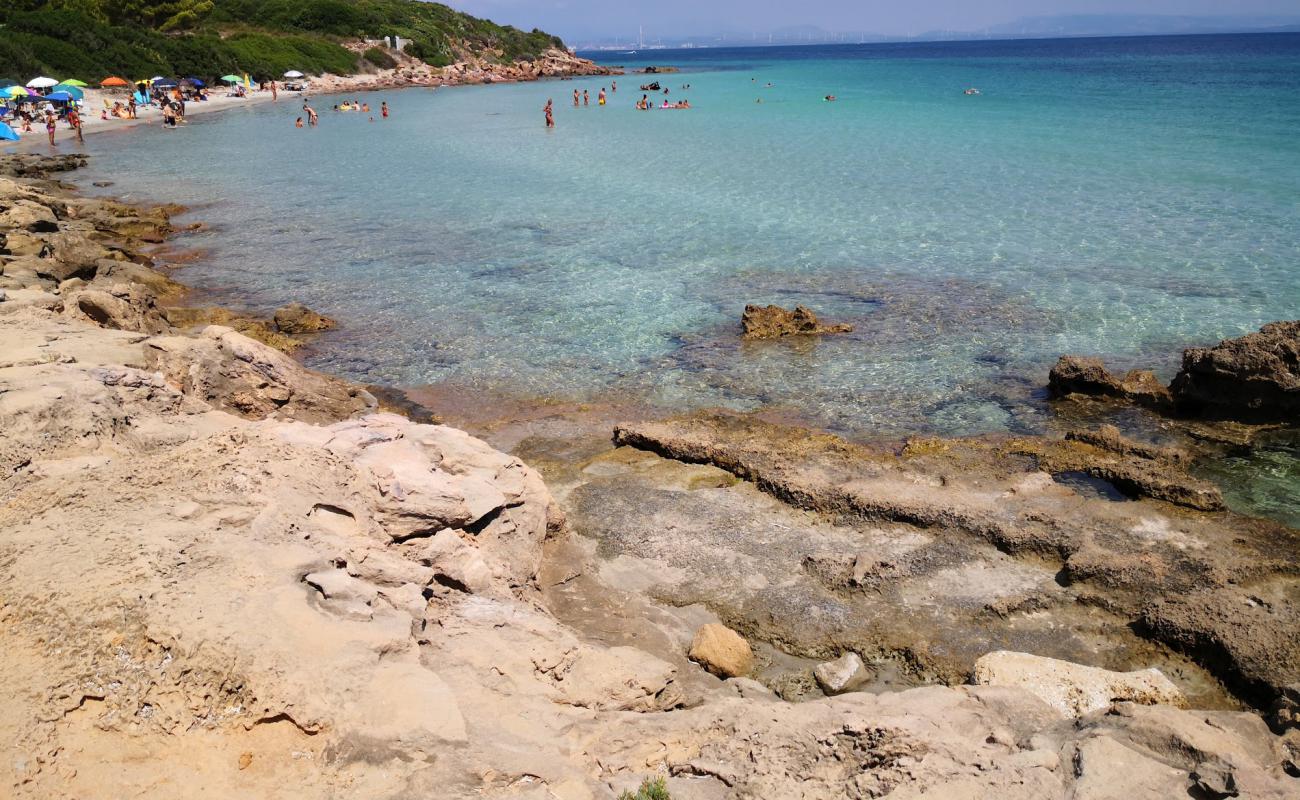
(578,18)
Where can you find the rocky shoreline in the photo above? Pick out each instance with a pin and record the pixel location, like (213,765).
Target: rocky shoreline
(228,575)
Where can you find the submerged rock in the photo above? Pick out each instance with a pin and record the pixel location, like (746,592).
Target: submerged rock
(773,322)
(1253,378)
(722,651)
(298,318)
(1074,689)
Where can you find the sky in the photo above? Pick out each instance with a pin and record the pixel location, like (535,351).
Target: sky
(574,19)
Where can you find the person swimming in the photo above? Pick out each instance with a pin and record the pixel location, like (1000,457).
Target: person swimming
(298,123)
(830,98)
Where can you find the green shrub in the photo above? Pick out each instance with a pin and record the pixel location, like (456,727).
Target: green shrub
(380,58)
(655,789)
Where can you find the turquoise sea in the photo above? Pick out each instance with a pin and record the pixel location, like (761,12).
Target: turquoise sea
(1120,197)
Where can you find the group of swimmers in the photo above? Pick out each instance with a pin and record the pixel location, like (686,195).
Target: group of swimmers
(355,105)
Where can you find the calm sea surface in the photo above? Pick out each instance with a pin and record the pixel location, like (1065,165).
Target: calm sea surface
(1120,197)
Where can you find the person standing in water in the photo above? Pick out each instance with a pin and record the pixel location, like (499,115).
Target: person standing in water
(311,114)
(575,98)
(383,109)
(275,95)
(74,120)
(586,99)
(550,116)
(600,98)
(613,86)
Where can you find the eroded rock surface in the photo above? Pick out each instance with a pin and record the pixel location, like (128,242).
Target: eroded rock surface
(971,541)
(298,318)
(1073,689)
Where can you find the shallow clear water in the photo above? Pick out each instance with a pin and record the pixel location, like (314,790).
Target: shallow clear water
(1119,197)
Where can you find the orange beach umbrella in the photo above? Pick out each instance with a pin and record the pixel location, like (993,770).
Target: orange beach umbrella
(113,80)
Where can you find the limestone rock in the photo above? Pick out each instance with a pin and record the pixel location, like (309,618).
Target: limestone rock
(772,322)
(125,306)
(298,318)
(1107,770)
(235,373)
(722,651)
(29,216)
(71,255)
(1252,378)
(1074,689)
(841,675)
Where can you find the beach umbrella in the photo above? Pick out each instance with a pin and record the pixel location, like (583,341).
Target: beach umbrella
(194,82)
(59,97)
(19,91)
(41,83)
(293,73)
(7,134)
(73,82)
(76,93)
(112,81)
(165,83)
(232,78)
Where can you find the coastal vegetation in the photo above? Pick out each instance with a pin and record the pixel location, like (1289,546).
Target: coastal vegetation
(91,39)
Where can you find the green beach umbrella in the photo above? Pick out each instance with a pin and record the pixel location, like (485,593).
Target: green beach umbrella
(233,78)
(73,82)
(77,94)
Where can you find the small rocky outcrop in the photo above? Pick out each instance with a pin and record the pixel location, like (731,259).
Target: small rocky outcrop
(722,651)
(1089,376)
(773,322)
(235,373)
(1255,378)
(1074,689)
(297,318)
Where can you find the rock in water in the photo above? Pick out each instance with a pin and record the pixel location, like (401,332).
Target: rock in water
(841,675)
(773,322)
(722,651)
(298,318)
(1074,689)
(1253,378)
(1088,376)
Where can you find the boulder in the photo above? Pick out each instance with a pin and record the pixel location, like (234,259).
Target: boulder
(1107,770)
(125,306)
(232,372)
(1074,689)
(1255,378)
(841,675)
(29,216)
(71,254)
(721,651)
(298,318)
(773,322)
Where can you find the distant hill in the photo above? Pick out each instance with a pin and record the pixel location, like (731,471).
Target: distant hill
(90,39)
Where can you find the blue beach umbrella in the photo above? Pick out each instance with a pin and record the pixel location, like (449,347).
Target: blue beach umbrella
(164,83)
(196,82)
(77,94)
(7,134)
(59,97)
